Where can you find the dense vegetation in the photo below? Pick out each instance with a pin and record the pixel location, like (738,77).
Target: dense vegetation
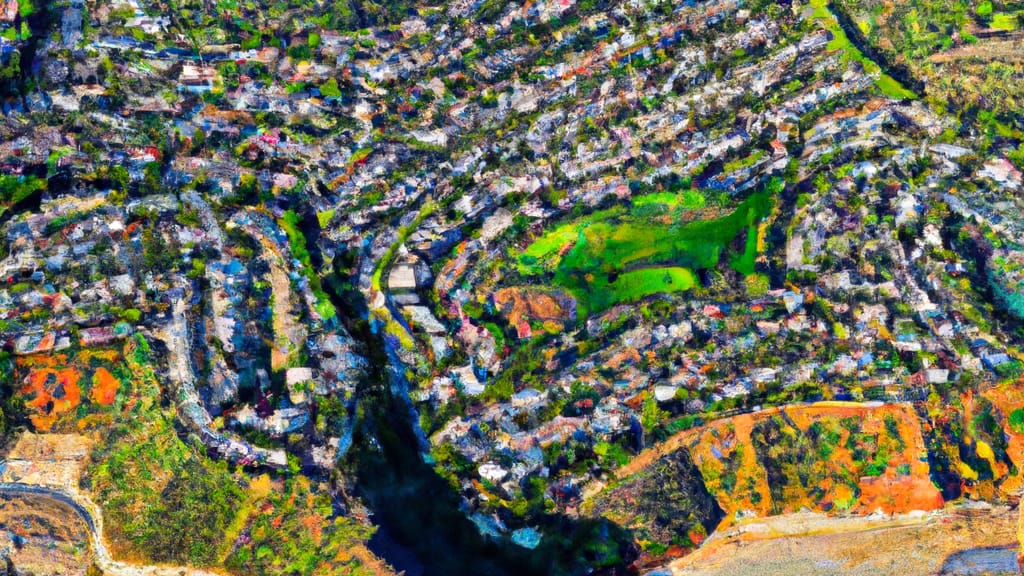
(666,505)
(162,497)
(957,47)
(12,409)
(319,540)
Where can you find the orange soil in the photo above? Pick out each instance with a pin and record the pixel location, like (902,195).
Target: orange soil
(518,304)
(892,492)
(104,387)
(56,384)
(1006,398)
(51,392)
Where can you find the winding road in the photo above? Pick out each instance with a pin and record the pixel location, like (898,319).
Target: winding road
(93,518)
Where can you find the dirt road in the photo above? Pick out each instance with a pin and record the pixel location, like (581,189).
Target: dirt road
(93,518)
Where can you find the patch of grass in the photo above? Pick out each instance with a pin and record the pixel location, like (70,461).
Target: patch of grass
(670,201)
(14,189)
(621,257)
(745,162)
(1005,21)
(636,284)
(892,88)
(1017,421)
(613,452)
(542,254)
(324,218)
(297,240)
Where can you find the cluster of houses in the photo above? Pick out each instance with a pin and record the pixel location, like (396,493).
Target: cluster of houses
(880,317)
(434,148)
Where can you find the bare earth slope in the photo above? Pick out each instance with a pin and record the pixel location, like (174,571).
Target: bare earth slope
(949,543)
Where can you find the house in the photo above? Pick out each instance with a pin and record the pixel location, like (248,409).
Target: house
(793,301)
(1003,172)
(299,381)
(528,397)
(436,137)
(665,393)
(149,24)
(402,277)
(10,11)
(442,389)
(280,422)
(197,78)
(993,361)
(40,342)
(421,317)
(955,269)
(96,336)
(466,378)
(492,472)
(763,375)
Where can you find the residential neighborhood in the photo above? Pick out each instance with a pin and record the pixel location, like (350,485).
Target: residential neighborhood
(561,287)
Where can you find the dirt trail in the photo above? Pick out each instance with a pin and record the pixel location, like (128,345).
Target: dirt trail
(1007,49)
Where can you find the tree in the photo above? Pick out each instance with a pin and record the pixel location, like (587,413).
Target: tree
(119,177)
(12,406)
(650,414)
(1017,421)
(248,188)
(330,89)
(156,253)
(151,178)
(10,74)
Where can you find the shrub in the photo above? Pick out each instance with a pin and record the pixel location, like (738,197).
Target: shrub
(1017,421)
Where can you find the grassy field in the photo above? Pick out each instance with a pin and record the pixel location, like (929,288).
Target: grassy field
(886,84)
(543,254)
(670,201)
(617,255)
(636,284)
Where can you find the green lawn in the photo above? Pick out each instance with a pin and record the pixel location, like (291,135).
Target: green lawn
(542,254)
(634,285)
(616,256)
(290,223)
(670,201)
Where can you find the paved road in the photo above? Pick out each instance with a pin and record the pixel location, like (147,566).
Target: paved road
(93,518)
(191,412)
